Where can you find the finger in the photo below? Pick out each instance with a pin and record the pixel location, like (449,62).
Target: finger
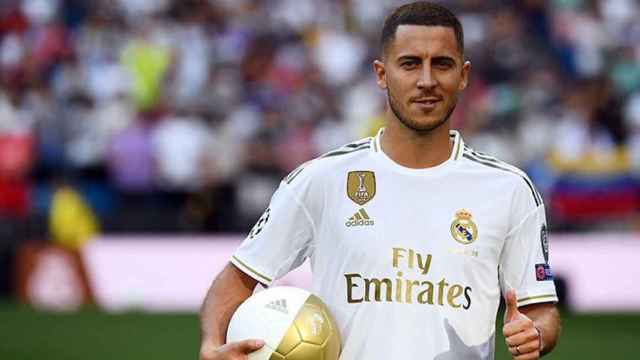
(247,346)
(516,326)
(522,338)
(513,350)
(529,347)
(523,351)
(528,356)
(512,306)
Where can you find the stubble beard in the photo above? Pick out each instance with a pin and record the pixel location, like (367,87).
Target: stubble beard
(412,124)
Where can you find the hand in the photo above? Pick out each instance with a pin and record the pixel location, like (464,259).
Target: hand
(522,337)
(232,351)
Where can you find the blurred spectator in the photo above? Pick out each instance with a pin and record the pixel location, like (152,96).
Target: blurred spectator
(258,180)
(16,154)
(131,162)
(71,222)
(182,147)
(147,61)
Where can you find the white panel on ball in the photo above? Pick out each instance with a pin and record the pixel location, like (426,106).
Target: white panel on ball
(277,308)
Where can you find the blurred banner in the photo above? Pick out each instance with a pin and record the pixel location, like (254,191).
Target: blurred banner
(51,277)
(159,274)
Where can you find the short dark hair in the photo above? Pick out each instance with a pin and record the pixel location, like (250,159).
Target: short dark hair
(421,13)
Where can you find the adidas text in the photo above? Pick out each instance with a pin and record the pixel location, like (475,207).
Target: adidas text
(359,223)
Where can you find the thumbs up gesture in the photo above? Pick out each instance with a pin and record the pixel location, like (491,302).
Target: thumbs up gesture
(522,337)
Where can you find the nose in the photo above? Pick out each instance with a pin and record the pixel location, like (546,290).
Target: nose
(426,79)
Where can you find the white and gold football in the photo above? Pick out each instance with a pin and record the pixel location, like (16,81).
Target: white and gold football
(294,324)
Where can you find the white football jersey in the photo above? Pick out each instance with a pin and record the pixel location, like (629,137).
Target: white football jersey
(411,262)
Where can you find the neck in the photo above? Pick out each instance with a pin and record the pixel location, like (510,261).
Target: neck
(416,150)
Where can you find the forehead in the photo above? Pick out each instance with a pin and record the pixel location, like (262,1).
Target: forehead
(423,41)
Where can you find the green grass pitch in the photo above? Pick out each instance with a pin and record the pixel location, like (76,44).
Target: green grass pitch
(91,334)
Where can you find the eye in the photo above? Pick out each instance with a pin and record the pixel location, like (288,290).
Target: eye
(409,65)
(443,64)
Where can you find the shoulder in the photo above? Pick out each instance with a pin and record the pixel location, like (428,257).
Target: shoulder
(327,163)
(496,169)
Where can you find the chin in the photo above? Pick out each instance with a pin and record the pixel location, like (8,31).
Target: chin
(427,124)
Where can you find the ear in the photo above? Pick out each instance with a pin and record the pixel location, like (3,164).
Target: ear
(466,69)
(381,79)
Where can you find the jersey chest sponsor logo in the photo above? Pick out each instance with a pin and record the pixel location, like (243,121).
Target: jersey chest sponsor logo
(413,283)
(361,186)
(463,229)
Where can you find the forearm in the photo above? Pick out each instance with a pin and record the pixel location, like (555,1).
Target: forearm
(227,292)
(547,320)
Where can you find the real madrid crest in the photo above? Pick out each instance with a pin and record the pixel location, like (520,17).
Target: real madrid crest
(463,229)
(361,186)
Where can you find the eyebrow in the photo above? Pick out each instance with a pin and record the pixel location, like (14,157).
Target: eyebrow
(441,58)
(409,57)
(445,59)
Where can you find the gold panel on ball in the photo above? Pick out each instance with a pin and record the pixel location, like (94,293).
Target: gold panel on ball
(313,324)
(306,351)
(313,335)
(290,340)
(276,356)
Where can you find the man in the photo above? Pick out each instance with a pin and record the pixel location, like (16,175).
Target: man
(412,235)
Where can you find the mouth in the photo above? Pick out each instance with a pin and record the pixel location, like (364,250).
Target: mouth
(428,103)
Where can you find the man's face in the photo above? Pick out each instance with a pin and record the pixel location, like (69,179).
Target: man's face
(422,72)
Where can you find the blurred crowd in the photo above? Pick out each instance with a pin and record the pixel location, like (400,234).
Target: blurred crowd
(184,115)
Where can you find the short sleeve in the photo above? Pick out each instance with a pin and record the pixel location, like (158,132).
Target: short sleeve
(524,261)
(283,237)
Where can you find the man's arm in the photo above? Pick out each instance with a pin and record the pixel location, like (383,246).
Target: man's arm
(546,319)
(230,288)
(530,331)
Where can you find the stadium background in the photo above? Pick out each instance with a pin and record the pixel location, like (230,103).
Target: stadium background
(161,119)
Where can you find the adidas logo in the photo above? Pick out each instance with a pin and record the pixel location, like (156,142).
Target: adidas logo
(360,218)
(278,305)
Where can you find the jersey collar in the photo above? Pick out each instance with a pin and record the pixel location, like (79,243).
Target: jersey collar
(456,154)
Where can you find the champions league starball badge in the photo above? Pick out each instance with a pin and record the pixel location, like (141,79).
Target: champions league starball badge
(463,229)
(257,228)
